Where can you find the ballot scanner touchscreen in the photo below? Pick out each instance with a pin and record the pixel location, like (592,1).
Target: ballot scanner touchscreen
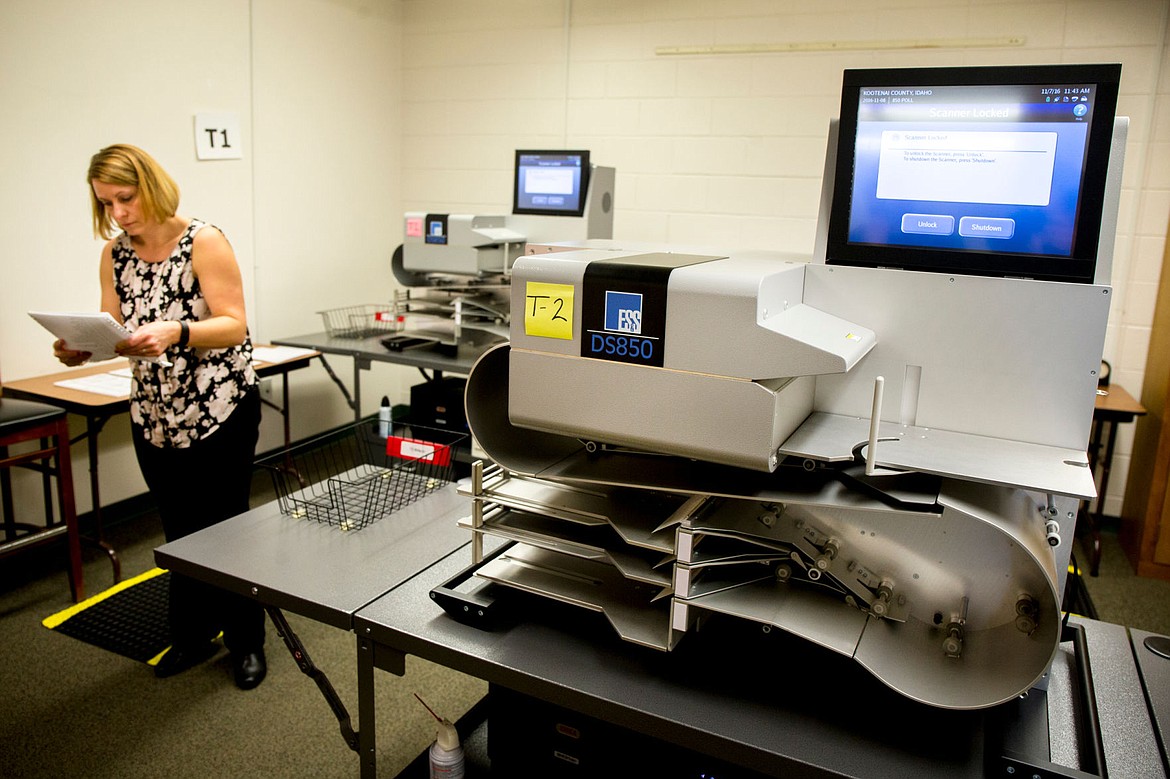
(1004,176)
(550,183)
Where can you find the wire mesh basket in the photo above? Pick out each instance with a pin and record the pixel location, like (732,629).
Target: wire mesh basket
(360,321)
(353,478)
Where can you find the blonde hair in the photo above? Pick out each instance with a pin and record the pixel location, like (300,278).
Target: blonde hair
(126,165)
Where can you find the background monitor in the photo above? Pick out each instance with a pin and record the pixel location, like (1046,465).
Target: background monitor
(552,183)
(986,171)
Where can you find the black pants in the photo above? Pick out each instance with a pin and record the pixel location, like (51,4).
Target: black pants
(196,487)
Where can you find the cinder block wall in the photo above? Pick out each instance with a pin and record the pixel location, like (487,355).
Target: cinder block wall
(728,148)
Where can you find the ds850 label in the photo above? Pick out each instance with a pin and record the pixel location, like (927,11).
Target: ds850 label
(631,347)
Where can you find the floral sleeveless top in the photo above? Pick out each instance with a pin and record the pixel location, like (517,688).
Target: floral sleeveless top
(179,404)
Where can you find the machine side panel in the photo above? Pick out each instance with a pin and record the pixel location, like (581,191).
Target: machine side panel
(665,411)
(1006,358)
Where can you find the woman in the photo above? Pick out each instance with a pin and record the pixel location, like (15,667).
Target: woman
(175,284)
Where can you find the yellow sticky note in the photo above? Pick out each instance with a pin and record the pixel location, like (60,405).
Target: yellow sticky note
(548,310)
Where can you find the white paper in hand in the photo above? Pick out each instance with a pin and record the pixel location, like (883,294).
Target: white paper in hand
(97,333)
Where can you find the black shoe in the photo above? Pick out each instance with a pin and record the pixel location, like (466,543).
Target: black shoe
(249,668)
(180,658)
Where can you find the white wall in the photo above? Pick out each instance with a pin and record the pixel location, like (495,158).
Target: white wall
(327,88)
(355,110)
(67,91)
(728,149)
(307,209)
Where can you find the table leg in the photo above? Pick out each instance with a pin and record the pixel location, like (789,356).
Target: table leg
(329,370)
(367,738)
(47,482)
(69,512)
(282,409)
(1099,514)
(372,655)
(1089,533)
(359,364)
(284,412)
(6,499)
(301,655)
(93,426)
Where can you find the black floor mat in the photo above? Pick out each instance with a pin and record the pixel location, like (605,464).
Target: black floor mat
(129,619)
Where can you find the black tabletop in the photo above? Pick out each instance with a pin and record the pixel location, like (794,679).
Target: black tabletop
(316,569)
(371,348)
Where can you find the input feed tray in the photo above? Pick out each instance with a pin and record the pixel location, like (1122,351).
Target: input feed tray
(835,437)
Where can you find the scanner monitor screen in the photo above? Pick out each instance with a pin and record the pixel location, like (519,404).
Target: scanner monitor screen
(987,171)
(553,183)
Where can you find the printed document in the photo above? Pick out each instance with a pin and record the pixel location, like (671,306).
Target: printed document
(94,332)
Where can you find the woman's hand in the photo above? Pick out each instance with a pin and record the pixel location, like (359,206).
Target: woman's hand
(150,340)
(68,356)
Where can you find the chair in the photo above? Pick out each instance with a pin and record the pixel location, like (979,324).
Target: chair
(22,421)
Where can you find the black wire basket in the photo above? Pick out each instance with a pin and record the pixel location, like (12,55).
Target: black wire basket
(367,471)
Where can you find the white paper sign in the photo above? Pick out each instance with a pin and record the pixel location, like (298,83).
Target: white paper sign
(217,137)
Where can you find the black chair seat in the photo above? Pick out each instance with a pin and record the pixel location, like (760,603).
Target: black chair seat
(16,413)
(26,412)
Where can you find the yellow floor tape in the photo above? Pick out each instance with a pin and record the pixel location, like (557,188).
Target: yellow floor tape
(53,620)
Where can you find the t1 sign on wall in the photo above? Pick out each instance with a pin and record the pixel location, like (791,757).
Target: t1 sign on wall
(217,137)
